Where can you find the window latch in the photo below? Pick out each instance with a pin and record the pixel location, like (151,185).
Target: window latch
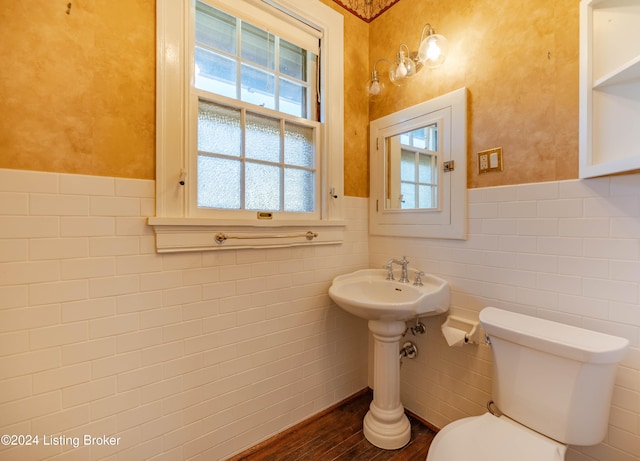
(448,166)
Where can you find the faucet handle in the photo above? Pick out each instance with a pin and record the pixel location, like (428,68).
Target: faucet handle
(389,268)
(418,280)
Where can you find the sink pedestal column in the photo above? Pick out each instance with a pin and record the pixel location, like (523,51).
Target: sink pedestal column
(385,425)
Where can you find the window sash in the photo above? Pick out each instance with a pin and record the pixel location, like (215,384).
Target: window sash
(292,149)
(247,197)
(253,65)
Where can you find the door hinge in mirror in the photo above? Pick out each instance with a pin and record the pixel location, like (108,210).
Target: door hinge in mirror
(448,166)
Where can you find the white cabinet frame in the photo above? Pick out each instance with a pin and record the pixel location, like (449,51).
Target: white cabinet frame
(609,87)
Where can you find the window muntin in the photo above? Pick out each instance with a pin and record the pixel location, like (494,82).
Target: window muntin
(250,161)
(261,155)
(238,60)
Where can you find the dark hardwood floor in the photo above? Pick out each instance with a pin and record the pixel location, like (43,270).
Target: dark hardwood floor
(337,435)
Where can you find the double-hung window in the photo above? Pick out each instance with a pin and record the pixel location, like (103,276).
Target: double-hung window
(257,131)
(250,114)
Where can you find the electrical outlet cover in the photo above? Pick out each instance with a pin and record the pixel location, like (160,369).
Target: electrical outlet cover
(483,162)
(490,160)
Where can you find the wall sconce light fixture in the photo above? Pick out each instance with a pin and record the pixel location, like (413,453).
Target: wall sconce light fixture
(432,51)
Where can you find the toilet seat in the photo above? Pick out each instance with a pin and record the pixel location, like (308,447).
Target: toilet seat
(491,438)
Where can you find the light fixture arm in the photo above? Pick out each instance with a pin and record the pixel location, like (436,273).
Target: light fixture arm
(427,27)
(374,72)
(426,31)
(374,85)
(388,61)
(431,52)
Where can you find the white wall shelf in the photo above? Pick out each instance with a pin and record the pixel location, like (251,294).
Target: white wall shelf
(627,73)
(609,87)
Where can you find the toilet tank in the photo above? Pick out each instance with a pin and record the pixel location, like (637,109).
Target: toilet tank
(553,378)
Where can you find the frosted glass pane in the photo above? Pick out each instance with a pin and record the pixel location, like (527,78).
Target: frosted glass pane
(408,166)
(258,87)
(215,28)
(262,187)
(215,73)
(218,183)
(219,129)
(408,192)
(298,145)
(425,169)
(299,190)
(263,138)
(293,99)
(426,198)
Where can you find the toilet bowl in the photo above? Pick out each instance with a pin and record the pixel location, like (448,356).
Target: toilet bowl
(489,437)
(552,385)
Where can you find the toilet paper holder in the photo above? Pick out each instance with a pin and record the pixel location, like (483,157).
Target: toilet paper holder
(469,327)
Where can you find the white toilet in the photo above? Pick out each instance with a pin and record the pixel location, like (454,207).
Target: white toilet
(552,384)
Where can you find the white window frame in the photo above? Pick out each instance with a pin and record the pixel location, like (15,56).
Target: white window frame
(176,228)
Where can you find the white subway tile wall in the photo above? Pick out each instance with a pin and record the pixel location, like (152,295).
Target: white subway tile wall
(198,356)
(567,251)
(181,356)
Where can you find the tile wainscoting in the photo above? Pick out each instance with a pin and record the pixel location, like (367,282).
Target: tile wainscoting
(181,356)
(201,355)
(567,251)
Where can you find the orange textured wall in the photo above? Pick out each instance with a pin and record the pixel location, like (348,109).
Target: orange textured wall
(77,89)
(519,61)
(356,104)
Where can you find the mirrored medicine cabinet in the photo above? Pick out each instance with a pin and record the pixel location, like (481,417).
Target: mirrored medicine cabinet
(419,170)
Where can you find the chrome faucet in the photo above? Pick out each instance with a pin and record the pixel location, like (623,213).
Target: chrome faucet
(402,262)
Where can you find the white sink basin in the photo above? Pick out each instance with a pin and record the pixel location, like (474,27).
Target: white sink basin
(369,295)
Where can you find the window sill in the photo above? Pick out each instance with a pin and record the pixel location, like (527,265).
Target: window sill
(175,235)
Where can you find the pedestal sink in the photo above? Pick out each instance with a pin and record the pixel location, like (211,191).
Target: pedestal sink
(387,305)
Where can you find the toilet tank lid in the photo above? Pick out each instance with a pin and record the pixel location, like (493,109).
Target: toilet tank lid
(552,337)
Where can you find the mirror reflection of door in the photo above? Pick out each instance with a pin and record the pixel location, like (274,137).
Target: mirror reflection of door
(412,169)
